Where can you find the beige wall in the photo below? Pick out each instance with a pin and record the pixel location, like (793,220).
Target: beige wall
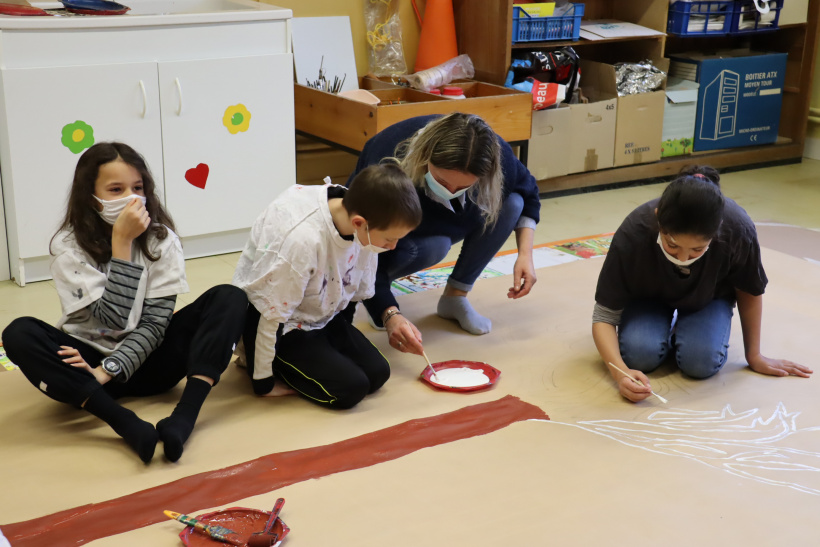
(355,10)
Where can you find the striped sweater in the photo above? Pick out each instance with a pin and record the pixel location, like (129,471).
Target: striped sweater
(120,308)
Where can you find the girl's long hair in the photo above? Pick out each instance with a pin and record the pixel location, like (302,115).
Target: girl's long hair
(460,142)
(92,233)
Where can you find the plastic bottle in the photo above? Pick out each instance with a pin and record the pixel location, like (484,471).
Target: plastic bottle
(452,92)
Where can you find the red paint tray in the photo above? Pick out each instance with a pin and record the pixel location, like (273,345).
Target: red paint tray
(491,372)
(238,519)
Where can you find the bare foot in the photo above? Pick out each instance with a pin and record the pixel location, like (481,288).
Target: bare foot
(280,389)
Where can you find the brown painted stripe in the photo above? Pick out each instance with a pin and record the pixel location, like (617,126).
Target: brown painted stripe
(188,495)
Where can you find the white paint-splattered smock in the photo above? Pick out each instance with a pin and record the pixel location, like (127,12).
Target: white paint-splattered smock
(297,269)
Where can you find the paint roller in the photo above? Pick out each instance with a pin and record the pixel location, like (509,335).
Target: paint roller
(267,538)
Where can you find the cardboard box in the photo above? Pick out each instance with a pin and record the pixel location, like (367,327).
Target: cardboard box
(591,130)
(639,118)
(549,146)
(679,117)
(739,99)
(592,135)
(350,123)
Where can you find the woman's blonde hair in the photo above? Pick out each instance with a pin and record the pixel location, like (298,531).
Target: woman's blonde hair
(459,142)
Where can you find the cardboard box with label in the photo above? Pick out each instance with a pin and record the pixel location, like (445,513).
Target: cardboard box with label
(739,99)
(679,117)
(639,120)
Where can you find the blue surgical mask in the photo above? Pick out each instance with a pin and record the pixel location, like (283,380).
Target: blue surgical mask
(440,190)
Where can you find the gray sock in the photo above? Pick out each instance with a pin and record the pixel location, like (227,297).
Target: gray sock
(459,308)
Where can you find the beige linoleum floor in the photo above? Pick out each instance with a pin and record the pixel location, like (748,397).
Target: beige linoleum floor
(788,194)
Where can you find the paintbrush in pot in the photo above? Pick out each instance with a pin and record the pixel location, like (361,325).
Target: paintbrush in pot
(217,532)
(429,364)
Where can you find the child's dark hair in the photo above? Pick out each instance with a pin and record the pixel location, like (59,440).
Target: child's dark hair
(385,196)
(92,233)
(692,203)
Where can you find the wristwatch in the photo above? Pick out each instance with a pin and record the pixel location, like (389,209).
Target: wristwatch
(111,366)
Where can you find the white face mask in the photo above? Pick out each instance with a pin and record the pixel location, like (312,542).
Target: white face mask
(369,247)
(112,208)
(674,260)
(440,190)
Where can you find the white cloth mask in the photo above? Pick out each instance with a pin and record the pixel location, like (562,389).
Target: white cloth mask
(674,260)
(113,207)
(369,247)
(440,190)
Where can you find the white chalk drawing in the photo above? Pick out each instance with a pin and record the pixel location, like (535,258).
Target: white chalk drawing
(744,444)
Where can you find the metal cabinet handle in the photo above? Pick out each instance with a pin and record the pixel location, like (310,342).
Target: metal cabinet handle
(179,90)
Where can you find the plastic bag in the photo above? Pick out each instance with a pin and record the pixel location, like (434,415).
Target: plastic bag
(634,78)
(551,77)
(384,43)
(456,68)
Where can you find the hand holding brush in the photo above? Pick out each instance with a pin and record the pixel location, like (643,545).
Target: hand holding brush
(637,382)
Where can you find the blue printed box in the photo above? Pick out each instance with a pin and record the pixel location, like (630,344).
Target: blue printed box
(739,99)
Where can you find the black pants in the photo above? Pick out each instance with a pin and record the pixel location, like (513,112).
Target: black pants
(336,366)
(199,341)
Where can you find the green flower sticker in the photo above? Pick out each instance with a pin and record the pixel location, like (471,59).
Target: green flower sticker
(236,119)
(78,136)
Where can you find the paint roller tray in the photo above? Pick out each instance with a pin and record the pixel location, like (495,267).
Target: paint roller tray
(241,520)
(490,372)
(94,7)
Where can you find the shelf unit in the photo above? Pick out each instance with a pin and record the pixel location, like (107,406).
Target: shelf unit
(484,30)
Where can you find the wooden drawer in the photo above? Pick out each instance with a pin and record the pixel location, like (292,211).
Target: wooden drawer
(350,123)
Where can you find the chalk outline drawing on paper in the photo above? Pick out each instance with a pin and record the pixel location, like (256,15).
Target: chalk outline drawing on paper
(743,444)
(720,99)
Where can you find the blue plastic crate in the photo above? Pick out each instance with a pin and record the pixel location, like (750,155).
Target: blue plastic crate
(541,29)
(700,18)
(746,18)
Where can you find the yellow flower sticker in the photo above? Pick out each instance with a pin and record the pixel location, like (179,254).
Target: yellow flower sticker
(77,136)
(236,118)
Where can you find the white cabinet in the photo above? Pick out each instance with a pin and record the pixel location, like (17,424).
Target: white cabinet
(38,168)
(209,106)
(242,167)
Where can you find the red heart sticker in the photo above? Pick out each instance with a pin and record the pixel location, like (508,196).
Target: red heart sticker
(198,175)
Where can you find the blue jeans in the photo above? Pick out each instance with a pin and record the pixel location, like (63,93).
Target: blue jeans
(415,253)
(700,339)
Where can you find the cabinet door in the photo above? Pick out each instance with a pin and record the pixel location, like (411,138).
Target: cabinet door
(228,139)
(52,116)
